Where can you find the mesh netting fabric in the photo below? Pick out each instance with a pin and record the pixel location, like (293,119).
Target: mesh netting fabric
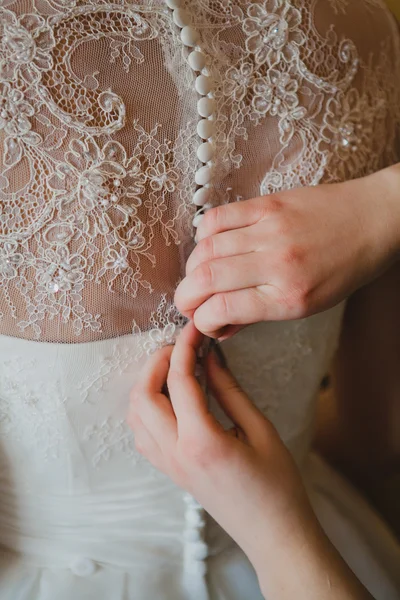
(98,134)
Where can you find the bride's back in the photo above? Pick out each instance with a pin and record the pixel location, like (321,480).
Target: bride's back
(98,130)
(98,126)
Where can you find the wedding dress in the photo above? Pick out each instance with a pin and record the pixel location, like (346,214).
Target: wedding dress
(120,123)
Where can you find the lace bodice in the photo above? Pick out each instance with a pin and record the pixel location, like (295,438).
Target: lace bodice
(98,137)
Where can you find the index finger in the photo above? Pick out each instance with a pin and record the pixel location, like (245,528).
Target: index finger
(155,371)
(231,216)
(187,397)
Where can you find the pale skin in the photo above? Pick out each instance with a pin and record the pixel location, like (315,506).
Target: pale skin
(248,482)
(281,257)
(290,255)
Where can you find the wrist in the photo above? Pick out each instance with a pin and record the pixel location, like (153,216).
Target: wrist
(316,571)
(383,191)
(291,539)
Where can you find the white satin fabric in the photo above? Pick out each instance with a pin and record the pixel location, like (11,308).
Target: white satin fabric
(83,516)
(98,155)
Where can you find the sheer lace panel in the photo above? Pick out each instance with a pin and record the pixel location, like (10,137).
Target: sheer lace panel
(98,134)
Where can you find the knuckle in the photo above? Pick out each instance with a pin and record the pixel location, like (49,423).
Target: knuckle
(221,306)
(274,204)
(298,300)
(204,276)
(292,255)
(270,205)
(204,452)
(213,218)
(205,249)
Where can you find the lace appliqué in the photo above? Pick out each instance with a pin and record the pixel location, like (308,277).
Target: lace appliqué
(93,189)
(30,412)
(165,323)
(94,215)
(280,75)
(110,437)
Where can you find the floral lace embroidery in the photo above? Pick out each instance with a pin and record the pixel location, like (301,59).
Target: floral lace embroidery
(165,324)
(110,437)
(91,194)
(30,412)
(121,358)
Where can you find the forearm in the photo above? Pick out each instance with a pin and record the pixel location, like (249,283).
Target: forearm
(383,191)
(307,567)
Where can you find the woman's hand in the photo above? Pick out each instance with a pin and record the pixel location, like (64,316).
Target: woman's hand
(290,255)
(245,478)
(181,438)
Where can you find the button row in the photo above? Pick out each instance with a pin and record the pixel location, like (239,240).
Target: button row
(197,61)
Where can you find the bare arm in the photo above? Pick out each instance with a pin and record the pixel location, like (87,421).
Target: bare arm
(248,482)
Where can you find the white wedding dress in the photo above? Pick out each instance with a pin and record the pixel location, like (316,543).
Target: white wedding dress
(98,126)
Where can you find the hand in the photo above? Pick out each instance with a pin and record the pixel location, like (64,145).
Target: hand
(248,482)
(289,255)
(241,481)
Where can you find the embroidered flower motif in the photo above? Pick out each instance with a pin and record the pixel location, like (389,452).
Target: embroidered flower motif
(136,179)
(71,187)
(118,262)
(277,96)
(111,436)
(15,122)
(263,95)
(59,271)
(26,46)
(273,31)
(90,185)
(158,338)
(348,130)
(10,259)
(161,177)
(156,206)
(237,81)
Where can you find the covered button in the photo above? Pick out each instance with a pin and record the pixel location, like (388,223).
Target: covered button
(202,196)
(204,175)
(206,107)
(189,36)
(205,152)
(203,85)
(181,17)
(197,550)
(197,220)
(197,60)
(83,567)
(174,3)
(205,128)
